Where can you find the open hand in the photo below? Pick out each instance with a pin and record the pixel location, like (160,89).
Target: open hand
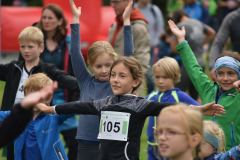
(127,13)
(44,108)
(76,11)
(212,109)
(237,85)
(179,33)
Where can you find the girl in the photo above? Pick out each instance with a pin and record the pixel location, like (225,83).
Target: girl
(122,115)
(214,143)
(179,132)
(93,86)
(227,71)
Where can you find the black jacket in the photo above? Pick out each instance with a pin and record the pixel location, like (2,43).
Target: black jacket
(14,124)
(11,74)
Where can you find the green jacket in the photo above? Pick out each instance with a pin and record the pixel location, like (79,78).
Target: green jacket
(207,90)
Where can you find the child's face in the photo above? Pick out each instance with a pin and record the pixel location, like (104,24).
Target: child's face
(162,82)
(121,80)
(30,51)
(205,149)
(225,77)
(172,138)
(101,67)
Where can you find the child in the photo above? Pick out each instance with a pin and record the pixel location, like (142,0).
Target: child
(40,139)
(179,132)
(101,56)
(22,114)
(227,70)
(122,115)
(15,73)
(214,143)
(166,72)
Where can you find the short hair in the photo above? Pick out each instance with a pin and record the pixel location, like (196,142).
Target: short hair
(36,82)
(98,48)
(134,67)
(169,67)
(31,33)
(215,130)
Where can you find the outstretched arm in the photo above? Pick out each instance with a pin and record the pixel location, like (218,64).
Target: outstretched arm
(21,114)
(128,37)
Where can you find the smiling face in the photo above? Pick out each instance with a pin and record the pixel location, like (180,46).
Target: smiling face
(225,77)
(121,80)
(101,66)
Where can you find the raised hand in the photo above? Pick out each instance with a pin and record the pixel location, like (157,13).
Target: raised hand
(76,11)
(35,97)
(212,109)
(179,33)
(237,85)
(127,13)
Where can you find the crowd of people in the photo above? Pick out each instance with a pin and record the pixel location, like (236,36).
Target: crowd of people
(147,70)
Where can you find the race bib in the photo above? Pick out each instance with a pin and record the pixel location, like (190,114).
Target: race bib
(114,125)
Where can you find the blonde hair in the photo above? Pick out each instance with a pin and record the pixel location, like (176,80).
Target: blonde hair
(36,82)
(98,48)
(169,67)
(215,130)
(192,120)
(31,33)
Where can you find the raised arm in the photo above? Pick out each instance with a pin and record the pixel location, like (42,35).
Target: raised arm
(179,33)
(127,30)
(78,63)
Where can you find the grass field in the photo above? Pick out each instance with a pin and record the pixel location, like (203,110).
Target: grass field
(143,153)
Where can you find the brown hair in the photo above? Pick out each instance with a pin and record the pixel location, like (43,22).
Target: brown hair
(169,67)
(36,82)
(98,48)
(134,67)
(61,31)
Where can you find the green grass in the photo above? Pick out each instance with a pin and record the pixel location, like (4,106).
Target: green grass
(143,151)
(2,84)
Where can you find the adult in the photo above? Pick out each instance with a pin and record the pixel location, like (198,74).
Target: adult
(140,33)
(54,26)
(154,16)
(229,29)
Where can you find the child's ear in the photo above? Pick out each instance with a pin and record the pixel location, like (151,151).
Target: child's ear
(195,140)
(136,83)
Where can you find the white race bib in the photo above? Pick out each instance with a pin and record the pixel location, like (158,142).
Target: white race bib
(114,125)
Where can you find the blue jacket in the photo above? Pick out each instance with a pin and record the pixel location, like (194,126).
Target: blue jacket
(174,95)
(47,134)
(232,154)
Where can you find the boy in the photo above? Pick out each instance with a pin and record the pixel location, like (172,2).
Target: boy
(166,72)
(227,71)
(40,139)
(31,41)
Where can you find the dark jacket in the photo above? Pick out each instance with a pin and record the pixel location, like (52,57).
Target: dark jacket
(11,74)
(18,119)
